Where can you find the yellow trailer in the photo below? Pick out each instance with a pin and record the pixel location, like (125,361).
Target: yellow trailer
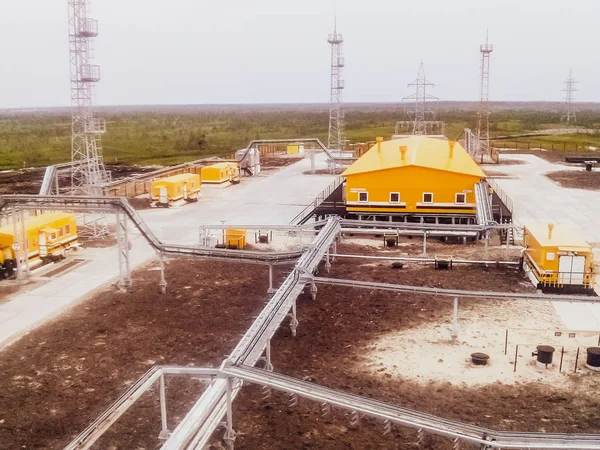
(178,188)
(221,173)
(48,237)
(235,238)
(557,257)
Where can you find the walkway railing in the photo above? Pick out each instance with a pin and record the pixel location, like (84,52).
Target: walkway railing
(303,215)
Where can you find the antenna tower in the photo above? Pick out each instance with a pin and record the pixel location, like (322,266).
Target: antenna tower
(483,125)
(569,91)
(88,173)
(421,98)
(336,138)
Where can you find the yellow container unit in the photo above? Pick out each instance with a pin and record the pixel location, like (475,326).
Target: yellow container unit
(295,149)
(557,257)
(180,188)
(48,236)
(221,173)
(235,238)
(416,175)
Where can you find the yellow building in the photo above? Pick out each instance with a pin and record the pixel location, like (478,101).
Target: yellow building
(48,237)
(166,191)
(413,175)
(557,256)
(221,173)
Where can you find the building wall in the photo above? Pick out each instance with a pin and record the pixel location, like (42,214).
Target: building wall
(411,183)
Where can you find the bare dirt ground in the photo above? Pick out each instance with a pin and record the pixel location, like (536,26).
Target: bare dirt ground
(29,181)
(579,179)
(283,160)
(57,379)
(335,345)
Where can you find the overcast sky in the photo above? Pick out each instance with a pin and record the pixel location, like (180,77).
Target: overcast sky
(275,51)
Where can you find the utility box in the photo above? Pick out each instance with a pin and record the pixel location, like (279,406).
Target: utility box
(557,257)
(250,165)
(177,189)
(221,173)
(235,238)
(295,149)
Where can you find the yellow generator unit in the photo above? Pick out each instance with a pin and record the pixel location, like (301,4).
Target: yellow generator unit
(221,173)
(235,238)
(557,257)
(48,237)
(184,187)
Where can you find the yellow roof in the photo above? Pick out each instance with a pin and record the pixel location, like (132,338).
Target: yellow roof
(178,178)
(37,221)
(421,151)
(562,236)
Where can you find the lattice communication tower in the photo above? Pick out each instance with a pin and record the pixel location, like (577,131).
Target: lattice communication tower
(336,137)
(483,124)
(421,99)
(88,174)
(569,91)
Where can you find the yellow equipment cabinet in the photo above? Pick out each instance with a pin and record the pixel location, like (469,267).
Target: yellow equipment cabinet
(178,188)
(413,175)
(557,257)
(295,149)
(235,238)
(221,173)
(48,236)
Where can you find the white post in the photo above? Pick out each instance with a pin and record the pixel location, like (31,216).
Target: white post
(229,437)
(164,432)
(271,290)
(294,321)
(312,162)
(268,365)
(454,334)
(424,243)
(25,244)
(163,281)
(15,216)
(487,243)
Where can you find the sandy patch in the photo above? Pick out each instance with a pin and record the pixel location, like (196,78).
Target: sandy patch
(427,353)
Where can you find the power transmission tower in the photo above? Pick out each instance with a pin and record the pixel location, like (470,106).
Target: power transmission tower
(569,91)
(483,125)
(88,174)
(336,137)
(421,99)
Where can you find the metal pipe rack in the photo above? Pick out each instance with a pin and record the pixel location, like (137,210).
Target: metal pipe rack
(197,427)
(452,292)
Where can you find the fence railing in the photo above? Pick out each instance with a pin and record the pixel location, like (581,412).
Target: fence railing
(317,201)
(501,194)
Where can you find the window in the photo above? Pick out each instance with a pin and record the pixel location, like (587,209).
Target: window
(461,198)
(394,197)
(60,232)
(68,229)
(52,236)
(363,197)
(427,197)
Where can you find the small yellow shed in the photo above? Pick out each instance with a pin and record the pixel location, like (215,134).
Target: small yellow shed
(557,256)
(295,149)
(235,238)
(221,173)
(166,191)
